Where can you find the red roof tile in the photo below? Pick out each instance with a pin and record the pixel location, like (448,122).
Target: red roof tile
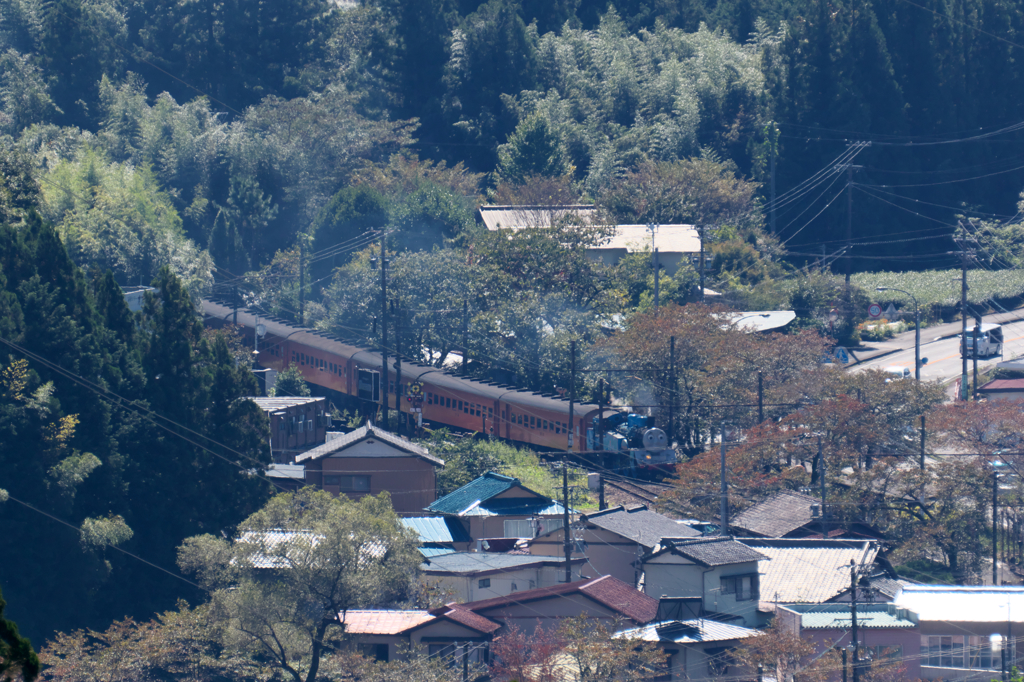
(464,616)
(605,590)
(381,622)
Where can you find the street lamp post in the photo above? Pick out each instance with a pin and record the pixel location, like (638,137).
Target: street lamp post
(917,329)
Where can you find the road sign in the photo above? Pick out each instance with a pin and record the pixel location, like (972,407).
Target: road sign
(841,355)
(890,312)
(874,311)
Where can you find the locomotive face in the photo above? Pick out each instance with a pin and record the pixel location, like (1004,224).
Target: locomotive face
(655,439)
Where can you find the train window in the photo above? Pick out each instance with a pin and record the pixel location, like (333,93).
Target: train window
(545,424)
(520,420)
(460,405)
(531,422)
(295,356)
(477,410)
(558,427)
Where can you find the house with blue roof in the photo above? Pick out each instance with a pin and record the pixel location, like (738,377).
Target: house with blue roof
(498,506)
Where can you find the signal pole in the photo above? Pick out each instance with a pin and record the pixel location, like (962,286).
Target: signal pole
(398,368)
(302,280)
(565,521)
(963,320)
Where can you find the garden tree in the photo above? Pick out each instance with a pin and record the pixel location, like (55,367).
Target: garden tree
(240,225)
(189,644)
(853,415)
(536,190)
(341,555)
(703,191)
(17,659)
(715,365)
(532,149)
(579,648)
(114,216)
(820,295)
(290,383)
(785,657)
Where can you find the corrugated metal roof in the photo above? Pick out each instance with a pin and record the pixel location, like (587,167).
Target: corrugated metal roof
(475,562)
(980,604)
(524,217)
(274,403)
(437,529)
(476,499)
(667,238)
(381,622)
(290,471)
(808,571)
(760,320)
(429,552)
(840,616)
(692,631)
(280,548)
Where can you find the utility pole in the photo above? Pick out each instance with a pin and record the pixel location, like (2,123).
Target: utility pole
(724,493)
(599,436)
(398,366)
(302,280)
(572,392)
(760,397)
(995,527)
(234,316)
(774,148)
(963,320)
(922,442)
(700,233)
(977,332)
(565,520)
(849,220)
(465,336)
(384,332)
(657,278)
(671,390)
(824,515)
(853,614)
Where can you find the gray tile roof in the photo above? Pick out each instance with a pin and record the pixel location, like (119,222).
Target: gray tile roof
(775,517)
(476,562)
(712,551)
(364,433)
(840,616)
(639,524)
(273,404)
(691,631)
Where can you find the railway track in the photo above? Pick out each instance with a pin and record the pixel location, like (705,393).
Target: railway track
(622,491)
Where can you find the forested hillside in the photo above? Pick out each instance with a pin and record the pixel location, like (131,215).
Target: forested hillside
(262,149)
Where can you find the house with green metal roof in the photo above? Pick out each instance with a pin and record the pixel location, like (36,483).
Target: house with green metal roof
(499,506)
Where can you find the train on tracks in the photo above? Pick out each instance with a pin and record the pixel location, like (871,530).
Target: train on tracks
(541,421)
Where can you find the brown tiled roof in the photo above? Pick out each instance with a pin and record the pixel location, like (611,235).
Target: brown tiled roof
(366,432)
(606,590)
(381,622)
(464,616)
(719,551)
(780,514)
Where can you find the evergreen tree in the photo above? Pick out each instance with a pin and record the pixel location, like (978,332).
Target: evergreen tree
(17,659)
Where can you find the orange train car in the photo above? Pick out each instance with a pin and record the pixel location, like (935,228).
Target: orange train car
(534,419)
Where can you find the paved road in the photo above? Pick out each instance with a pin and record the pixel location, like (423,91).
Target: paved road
(944,353)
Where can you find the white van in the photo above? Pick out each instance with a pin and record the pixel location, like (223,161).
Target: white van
(897,372)
(990,341)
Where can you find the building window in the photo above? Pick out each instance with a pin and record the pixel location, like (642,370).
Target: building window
(962,651)
(349,484)
(519,529)
(375,652)
(743,587)
(484,582)
(548,525)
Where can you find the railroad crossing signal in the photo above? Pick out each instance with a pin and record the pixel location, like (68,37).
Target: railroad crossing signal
(415,389)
